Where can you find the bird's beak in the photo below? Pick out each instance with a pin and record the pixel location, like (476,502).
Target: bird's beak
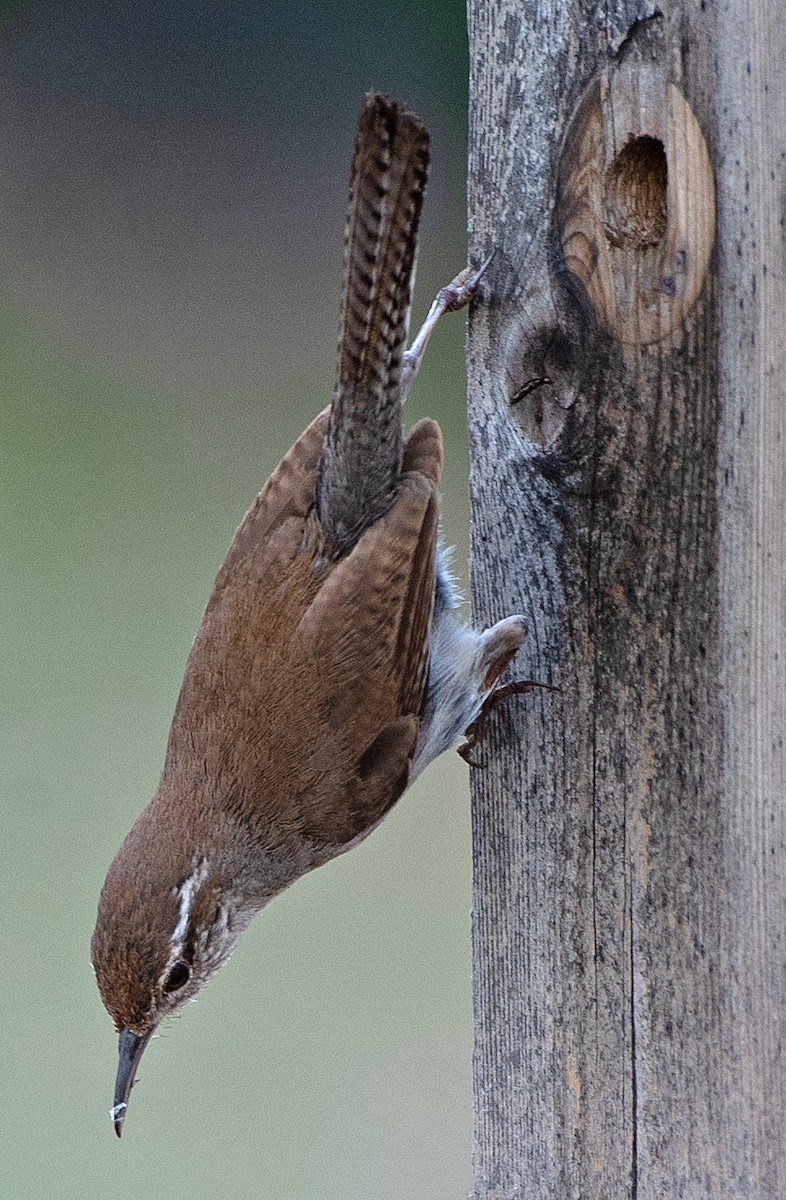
(131,1047)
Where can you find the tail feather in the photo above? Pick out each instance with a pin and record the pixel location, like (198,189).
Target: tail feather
(361,465)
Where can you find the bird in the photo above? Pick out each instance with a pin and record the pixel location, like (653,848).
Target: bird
(331,665)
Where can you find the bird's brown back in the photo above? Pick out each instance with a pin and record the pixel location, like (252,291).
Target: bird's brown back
(348,637)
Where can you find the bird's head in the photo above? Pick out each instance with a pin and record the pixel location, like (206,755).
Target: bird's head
(164,927)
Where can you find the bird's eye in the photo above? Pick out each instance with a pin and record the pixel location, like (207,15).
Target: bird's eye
(177,977)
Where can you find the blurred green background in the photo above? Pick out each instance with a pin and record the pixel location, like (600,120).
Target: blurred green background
(172,193)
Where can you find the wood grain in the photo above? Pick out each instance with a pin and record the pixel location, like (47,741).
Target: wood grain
(635,209)
(629,496)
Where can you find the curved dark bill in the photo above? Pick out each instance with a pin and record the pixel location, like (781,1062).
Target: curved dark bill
(131,1048)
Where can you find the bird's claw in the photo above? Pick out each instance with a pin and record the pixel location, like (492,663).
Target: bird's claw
(476,732)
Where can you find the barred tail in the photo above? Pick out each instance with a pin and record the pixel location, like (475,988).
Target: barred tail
(361,464)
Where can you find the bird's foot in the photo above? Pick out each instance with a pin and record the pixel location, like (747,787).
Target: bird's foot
(476,732)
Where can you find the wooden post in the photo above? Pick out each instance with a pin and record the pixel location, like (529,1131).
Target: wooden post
(628,446)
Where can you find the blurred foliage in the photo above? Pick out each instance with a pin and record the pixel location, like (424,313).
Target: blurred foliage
(172,200)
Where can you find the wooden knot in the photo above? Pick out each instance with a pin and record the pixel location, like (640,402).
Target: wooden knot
(635,211)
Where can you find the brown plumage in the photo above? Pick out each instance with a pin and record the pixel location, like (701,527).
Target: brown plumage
(347,637)
(362,458)
(329,667)
(298,714)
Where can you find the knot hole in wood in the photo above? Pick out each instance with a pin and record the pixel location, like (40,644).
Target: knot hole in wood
(635,194)
(634,213)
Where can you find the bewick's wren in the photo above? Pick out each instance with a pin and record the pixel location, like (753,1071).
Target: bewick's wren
(330,666)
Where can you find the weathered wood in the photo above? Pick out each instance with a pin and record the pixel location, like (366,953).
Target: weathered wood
(628,447)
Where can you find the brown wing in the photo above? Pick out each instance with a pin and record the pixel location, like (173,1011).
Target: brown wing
(307,677)
(271,532)
(237,662)
(422,456)
(367,627)
(367,636)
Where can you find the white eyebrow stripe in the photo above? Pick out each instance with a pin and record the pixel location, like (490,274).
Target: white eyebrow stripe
(189,891)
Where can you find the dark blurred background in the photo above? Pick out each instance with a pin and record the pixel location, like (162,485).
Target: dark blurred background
(172,191)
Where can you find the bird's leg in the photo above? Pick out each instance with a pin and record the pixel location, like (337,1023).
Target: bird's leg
(475,733)
(456,295)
